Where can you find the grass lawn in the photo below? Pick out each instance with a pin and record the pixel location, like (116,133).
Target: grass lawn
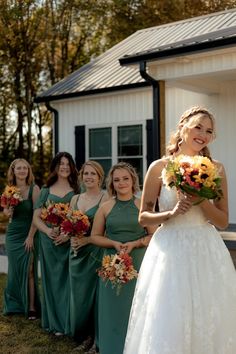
(20,336)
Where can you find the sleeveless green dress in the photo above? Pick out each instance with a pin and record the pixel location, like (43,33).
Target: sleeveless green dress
(16,297)
(54,262)
(121,225)
(84,287)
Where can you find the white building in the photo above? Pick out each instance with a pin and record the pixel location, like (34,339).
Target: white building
(124,104)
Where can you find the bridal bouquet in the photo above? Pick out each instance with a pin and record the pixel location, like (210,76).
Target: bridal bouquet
(54,213)
(75,224)
(117,269)
(195,175)
(10,198)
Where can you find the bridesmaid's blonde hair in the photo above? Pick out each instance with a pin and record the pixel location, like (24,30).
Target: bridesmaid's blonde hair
(97,167)
(11,178)
(189,118)
(122,165)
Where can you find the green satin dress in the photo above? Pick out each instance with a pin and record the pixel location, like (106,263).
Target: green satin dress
(121,225)
(84,288)
(54,262)
(16,296)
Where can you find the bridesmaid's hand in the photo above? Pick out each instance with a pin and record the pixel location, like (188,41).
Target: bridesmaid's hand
(78,242)
(128,246)
(52,233)
(8,211)
(60,239)
(74,241)
(118,246)
(29,244)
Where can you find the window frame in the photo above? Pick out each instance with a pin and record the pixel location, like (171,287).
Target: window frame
(114,139)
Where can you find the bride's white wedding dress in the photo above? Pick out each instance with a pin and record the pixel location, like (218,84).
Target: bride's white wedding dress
(185,297)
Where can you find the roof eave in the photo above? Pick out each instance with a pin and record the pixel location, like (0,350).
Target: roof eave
(50,98)
(179,51)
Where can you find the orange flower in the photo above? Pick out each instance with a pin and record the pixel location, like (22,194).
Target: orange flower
(117,269)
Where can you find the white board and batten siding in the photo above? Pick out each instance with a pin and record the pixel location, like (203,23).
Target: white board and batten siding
(104,110)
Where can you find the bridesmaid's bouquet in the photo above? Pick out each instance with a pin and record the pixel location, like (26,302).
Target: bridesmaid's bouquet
(195,175)
(75,224)
(54,213)
(117,269)
(10,198)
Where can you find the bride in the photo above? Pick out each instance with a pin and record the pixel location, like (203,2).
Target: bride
(185,297)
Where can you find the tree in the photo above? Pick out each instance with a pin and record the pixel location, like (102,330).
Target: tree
(42,41)
(19,44)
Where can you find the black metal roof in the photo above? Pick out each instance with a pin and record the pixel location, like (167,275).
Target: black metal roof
(105,73)
(210,41)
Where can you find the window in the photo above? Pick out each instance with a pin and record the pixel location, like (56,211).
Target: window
(110,145)
(100,148)
(130,146)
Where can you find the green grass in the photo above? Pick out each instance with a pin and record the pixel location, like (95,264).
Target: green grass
(21,336)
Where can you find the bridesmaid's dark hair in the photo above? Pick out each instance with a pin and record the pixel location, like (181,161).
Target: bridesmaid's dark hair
(73,177)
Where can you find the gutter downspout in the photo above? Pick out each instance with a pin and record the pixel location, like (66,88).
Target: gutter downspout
(55,126)
(156,136)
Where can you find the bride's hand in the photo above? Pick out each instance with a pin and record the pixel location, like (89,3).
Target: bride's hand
(183,205)
(195,199)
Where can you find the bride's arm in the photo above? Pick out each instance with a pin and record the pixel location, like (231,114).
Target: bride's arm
(151,190)
(217,212)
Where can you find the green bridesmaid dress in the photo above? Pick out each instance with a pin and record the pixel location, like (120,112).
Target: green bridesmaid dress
(16,294)
(84,287)
(121,225)
(54,262)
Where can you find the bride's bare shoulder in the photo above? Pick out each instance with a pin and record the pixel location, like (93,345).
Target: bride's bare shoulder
(158,165)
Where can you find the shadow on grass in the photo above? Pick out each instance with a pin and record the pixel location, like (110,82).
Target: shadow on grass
(21,336)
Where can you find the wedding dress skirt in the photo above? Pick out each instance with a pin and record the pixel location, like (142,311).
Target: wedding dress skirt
(185,297)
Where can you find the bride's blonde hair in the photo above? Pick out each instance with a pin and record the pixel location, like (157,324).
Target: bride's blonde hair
(188,119)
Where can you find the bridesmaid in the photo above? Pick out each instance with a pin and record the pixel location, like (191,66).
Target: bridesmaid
(118,219)
(21,293)
(61,185)
(83,276)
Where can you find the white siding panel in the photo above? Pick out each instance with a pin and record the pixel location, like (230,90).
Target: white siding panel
(129,106)
(223,106)
(225,145)
(194,65)
(177,101)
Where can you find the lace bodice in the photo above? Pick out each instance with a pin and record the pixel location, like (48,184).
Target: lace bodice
(167,201)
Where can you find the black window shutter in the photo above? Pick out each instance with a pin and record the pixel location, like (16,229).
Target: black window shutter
(79,145)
